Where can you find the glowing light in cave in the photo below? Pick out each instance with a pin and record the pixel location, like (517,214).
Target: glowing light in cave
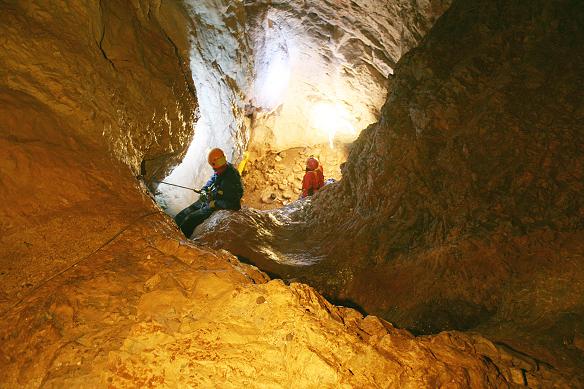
(273,77)
(332,119)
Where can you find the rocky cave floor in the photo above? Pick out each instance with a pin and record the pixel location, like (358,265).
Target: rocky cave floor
(275,179)
(150,309)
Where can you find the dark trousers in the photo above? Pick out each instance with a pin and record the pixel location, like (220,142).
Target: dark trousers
(193,215)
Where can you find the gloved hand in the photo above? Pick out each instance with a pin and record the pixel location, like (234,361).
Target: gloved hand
(203,196)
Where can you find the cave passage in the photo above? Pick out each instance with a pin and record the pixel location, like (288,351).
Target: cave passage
(300,97)
(270,101)
(454,130)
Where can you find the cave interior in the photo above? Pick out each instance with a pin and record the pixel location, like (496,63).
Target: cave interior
(446,250)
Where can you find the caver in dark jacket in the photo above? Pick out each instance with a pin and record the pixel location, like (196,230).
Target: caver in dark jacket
(223,191)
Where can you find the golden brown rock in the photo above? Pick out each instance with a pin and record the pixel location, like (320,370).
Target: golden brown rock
(479,217)
(86,88)
(99,289)
(462,208)
(161,312)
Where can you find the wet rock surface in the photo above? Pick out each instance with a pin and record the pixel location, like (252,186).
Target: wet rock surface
(91,67)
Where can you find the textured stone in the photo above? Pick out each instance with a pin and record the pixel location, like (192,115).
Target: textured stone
(263,333)
(289,178)
(422,210)
(88,92)
(337,54)
(100,289)
(219,57)
(462,208)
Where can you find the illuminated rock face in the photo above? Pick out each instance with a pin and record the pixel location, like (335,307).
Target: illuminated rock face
(162,313)
(321,74)
(321,67)
(220,64)
(462,208)
(275,75)
(86,93)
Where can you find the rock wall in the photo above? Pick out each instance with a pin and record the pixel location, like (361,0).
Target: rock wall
(222,73)
(98,288)
(149,310)
(471,209)
(462,208)
(88,91)
(321,67)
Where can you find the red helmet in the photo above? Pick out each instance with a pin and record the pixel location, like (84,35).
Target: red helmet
(311,163)
(216,158)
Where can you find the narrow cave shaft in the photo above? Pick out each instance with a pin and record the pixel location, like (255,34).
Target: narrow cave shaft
(271,79)
(453,132)
(219,58)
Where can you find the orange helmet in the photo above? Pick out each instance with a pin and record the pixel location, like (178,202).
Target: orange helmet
(311,163)
(216,158)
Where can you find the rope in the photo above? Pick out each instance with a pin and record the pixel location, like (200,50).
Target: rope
(179,186)
(45,281)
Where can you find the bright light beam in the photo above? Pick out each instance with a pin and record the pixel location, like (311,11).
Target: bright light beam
(332,119)
(273,80)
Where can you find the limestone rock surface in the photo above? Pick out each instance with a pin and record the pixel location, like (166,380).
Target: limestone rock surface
(321,67)
(87,92)
(220,63)
(98,288)
(462,208)
(474,217)
(162,312)
(117,70)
